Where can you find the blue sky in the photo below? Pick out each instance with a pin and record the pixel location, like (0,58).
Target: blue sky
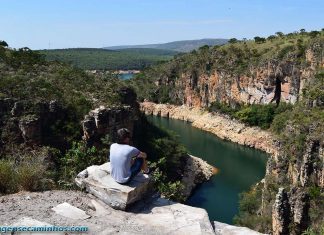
(40,24)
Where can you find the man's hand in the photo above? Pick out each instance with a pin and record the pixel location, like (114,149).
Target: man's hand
(142,155)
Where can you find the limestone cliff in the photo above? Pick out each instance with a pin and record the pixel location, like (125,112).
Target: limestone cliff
(239,73)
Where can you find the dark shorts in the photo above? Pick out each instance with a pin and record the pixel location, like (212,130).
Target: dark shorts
(135,168)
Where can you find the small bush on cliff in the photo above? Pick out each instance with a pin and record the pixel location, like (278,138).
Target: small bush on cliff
(76,159)
(223,108)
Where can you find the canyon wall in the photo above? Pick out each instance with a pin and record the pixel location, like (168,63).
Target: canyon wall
(272,81)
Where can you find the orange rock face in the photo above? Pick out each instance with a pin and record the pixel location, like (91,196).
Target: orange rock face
(265,84)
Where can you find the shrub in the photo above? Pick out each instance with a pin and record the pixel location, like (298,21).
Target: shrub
(8,177)
(77,159)
(257,115)
(31,176)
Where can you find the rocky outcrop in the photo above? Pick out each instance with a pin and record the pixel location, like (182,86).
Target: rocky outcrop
(74,208)
(106,121)
(301,174)
(220,125)
(30,127)
(196,172)
(290,214)
(98,181)
(153,216)
(29,123)
(281,214)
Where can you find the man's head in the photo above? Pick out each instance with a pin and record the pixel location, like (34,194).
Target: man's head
(123,136)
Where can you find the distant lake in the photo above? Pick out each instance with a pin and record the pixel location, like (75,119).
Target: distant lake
(126,76)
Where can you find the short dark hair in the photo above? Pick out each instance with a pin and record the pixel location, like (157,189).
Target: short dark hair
(122,134)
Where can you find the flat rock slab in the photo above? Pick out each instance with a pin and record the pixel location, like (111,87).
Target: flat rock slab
(167,217)
(69,211)
(30,222)
(98,181)
(226,229)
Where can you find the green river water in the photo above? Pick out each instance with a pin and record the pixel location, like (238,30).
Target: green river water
(239,168)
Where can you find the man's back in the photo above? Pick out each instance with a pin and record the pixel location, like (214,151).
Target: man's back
(120,161)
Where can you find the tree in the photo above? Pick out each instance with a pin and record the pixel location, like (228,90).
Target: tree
(271,37)
(302,31)
(233,40)
(313,34)
(3,44)
(203,48)
(259,39)
(280,34)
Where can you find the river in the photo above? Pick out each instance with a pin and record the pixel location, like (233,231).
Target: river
(239,168)
(126,76)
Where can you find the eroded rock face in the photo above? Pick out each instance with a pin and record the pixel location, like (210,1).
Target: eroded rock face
(270,81)
(300,203)
(281,214)
(31,121)
(98,181)
(30,127)
(290,214)
(102,121)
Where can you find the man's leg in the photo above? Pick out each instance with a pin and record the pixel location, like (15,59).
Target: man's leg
(136,167)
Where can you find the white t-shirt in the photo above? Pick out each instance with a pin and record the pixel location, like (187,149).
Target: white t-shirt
(120,161)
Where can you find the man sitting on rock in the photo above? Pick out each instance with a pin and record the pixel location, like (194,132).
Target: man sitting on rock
(126,161)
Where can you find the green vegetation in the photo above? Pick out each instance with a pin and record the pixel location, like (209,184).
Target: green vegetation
(253,115)
(249,205)
(32,83)
(103,59)
(78,158)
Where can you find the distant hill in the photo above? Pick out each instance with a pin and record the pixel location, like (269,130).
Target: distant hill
(179,46)
(103,59)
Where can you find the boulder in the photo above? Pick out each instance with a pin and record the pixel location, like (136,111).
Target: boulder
(196,172)
(67,210)
(98,181)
